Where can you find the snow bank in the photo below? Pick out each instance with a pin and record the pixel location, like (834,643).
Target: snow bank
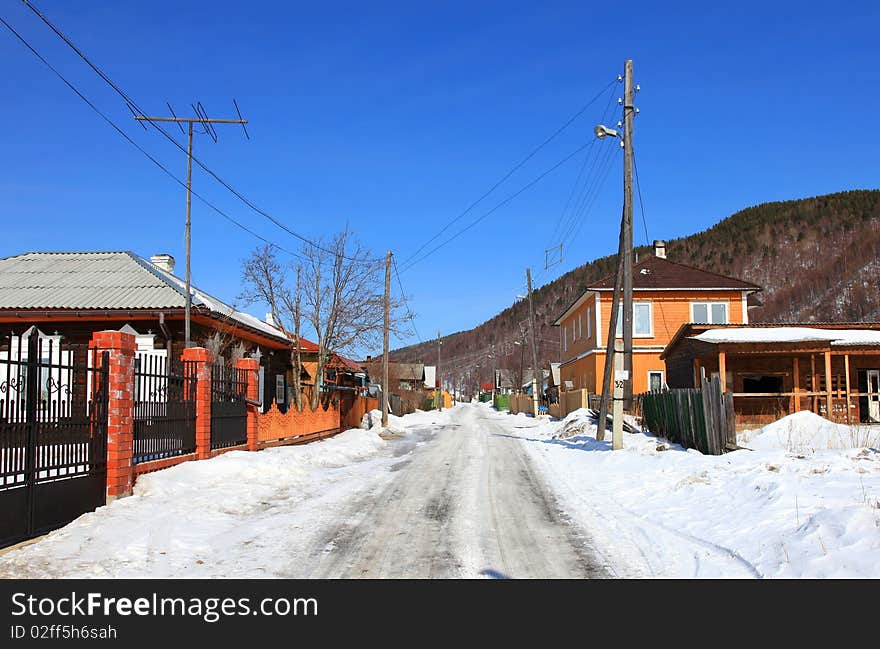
(804,503)
(808,432)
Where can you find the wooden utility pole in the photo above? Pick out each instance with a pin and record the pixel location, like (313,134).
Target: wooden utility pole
(207,125)
(534,345)
(385,335)
(610,348)
(617,410)
(437,375)
(628,114)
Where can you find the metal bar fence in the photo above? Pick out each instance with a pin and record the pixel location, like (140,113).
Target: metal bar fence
(164,407)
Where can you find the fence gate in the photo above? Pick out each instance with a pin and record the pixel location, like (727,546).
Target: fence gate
(228,406)
(164,407)
(53,433)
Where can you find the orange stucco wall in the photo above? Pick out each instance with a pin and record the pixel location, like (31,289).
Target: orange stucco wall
(670,310)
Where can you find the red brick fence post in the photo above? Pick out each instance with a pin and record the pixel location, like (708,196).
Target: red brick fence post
(203,359)
(120,409)
(251,369)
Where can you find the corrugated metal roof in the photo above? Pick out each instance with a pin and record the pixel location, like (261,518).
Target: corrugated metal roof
(103,280)
(82,280)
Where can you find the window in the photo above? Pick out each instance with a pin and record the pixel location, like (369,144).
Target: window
(655,380)
(589,322)
(280,392)
(709,312)
(643,320)
(565,338)
(580,326)
(762,384)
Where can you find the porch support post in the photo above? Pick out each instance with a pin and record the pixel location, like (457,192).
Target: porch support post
(120,409)
(203,359)
(722,370)
(697,372)
(828,384)
(846,373)
(814,385)
(251,368)
(796,384)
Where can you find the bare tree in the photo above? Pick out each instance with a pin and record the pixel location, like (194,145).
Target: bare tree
(338,292)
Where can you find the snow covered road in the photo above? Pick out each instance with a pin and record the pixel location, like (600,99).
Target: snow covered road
(468,504)
(455,495)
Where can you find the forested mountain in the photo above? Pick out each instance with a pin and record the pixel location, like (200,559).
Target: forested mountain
(818,260)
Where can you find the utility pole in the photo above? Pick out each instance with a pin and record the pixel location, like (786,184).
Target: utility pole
(385,335)
(628,114)
(207,124)
(610,348)
(534,345)
(437,375)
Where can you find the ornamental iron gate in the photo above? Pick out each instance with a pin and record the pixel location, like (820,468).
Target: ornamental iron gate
(53,433)
(164,407)
(228,406)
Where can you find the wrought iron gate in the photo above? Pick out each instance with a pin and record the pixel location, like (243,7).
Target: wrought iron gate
(53,433)
(164,407)
(228,406)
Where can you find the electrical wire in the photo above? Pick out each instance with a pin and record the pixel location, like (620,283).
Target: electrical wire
(497,207)
(135,108)
(508,174)
(125,135)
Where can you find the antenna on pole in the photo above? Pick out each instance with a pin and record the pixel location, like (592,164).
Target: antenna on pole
(208,129)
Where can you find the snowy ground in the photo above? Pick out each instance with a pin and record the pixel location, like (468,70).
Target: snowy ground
(805,502)
(471,492)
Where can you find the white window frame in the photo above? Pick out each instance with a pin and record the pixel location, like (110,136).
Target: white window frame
(709,304)
(589,322)
(565,338)
(650,304)
(662,374)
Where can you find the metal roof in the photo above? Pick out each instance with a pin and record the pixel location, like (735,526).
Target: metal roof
(106,281)
(83,280)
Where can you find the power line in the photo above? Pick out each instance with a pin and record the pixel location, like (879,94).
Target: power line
(125,135)
(498,206)
(641,204)
(508,174)
(412,317)
(132,105)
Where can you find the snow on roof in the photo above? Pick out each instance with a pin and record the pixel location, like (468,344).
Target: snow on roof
(837,337)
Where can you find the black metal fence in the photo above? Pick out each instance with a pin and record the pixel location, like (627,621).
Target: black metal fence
(53,433)
(164,407)
(702,419)
(228,406)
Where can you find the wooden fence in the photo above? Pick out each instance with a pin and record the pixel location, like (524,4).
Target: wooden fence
(701,419)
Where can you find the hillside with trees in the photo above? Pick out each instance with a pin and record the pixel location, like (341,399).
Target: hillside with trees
(818,260)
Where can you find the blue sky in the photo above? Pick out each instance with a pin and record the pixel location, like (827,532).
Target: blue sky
(394,117)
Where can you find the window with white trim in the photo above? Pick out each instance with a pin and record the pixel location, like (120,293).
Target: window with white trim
(643,320)
(709,312)
(655,380)
(564,338)
(589,322)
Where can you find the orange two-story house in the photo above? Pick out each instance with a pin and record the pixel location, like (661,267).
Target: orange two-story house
(666,295)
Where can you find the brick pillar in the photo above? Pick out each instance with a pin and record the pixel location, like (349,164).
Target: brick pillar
(120,409)
(203,360)
(251,367)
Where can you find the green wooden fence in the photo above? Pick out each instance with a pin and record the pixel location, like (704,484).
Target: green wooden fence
(701,419)
(502,402)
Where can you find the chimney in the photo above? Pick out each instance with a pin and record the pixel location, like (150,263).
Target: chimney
(270,319)
(163,262)
(369,358)
(660,248)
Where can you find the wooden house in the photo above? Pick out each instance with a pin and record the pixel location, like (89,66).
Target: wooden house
(832,369)
(666,295)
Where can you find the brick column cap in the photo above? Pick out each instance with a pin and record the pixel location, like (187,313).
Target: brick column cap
(248,364)
(198,354)
(110,339)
